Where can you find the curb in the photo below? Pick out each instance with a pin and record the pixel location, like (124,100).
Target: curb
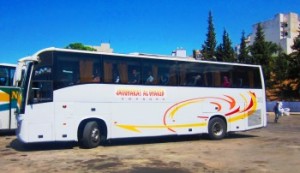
(291,113)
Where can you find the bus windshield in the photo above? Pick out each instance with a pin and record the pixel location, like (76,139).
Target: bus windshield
(7,74)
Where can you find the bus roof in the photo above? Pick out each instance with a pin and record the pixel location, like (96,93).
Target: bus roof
(8,65)
(132,55)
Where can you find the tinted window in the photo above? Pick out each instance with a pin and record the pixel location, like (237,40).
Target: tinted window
(76,68)
(219,75)
(121,70)
(11,76)
(159,72)
(72,69)
(190,74)
(6,75)
(42,79)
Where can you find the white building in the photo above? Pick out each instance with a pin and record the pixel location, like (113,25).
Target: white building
(179,52)
(282,30)
(104,47)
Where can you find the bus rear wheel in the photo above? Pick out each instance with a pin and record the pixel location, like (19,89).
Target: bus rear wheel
(91,135)
(217,129)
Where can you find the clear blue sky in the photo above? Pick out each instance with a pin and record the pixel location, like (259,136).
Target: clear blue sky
(148,26)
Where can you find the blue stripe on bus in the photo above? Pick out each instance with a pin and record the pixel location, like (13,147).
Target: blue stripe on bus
(4,107)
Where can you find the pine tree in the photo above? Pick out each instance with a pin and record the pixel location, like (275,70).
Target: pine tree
(262,51)
(243,56)
(208,49)
(219,52)
(224,50)
(295,58)
(228,52)
(258,49)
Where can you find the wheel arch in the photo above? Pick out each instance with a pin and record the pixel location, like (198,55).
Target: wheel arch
(219,116)
(101,123)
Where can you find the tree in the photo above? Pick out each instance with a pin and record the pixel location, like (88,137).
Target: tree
(228,52)
(224,50)
(208,49)
(262,51)
(285,76)
(79,46)
(295,61)
(295,57)
(219,52)
(258,48)
(279,67)
(243,56)
(296,45)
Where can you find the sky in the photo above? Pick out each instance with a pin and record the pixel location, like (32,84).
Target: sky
(146,26)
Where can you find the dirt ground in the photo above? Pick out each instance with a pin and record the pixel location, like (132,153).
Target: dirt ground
(272,149)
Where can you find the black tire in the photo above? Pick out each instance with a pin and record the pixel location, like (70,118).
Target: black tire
(217,128)
(91,135)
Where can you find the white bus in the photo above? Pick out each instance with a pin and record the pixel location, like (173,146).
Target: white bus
(8,97)
(72,95)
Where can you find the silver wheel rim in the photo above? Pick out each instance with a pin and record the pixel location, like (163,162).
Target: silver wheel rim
(95,135)
(217,129)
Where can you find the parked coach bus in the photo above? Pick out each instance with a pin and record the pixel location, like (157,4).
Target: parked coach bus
(8,97)
(72,95)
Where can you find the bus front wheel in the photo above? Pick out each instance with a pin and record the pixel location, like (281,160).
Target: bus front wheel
(217,129)
(91,135)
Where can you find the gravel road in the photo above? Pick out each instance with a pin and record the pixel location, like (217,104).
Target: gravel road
(275,148)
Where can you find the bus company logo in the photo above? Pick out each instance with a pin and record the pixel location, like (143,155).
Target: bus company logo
(134,92)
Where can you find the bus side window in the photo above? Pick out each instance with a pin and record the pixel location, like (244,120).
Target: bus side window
(164,79)
(134,71)
(197,80)
(173,75)
(226,81)
(135,76)
(96,78)
(149,78)
(3,81)
(115,74)
(122,67)
(4,77)
(150,73)
(111,71)
(108,72)
(86,71)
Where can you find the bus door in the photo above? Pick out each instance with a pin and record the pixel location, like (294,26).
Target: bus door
(8,99)
(5,108)
(40,107)
(11,120)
